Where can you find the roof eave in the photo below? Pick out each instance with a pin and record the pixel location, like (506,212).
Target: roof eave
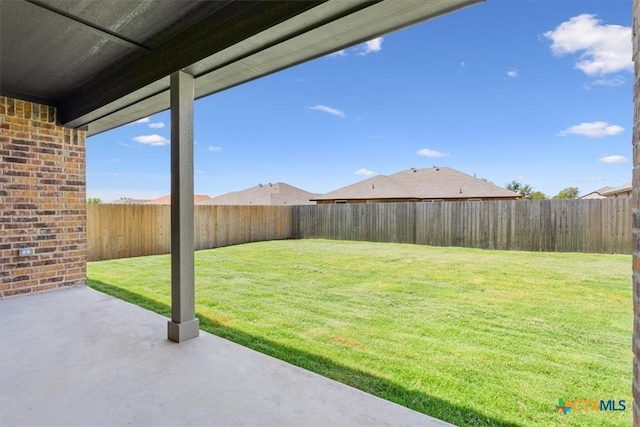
(323,29)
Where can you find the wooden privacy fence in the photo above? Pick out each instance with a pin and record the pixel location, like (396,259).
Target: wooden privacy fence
(123,231)
(598,226)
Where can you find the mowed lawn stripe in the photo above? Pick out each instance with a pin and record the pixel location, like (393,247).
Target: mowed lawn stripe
(469,336)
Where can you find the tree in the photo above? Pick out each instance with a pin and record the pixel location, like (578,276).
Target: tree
(525,190)
(537,195)
(568,193)
(94,200)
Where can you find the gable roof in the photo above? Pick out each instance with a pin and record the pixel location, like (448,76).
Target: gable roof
(596,194)
(621,189)
(604,189)
(166,200)
(431,183)
(279,193)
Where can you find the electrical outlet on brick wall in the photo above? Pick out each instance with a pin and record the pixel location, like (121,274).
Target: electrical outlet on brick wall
(27,252)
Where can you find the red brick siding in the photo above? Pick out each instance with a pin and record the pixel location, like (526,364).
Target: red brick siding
(636,215)
(42,200)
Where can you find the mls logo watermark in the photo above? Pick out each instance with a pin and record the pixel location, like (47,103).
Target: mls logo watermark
(565,406)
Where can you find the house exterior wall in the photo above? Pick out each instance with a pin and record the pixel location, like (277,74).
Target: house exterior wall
(619,195)
(42,200)
(636,215)
(592,195)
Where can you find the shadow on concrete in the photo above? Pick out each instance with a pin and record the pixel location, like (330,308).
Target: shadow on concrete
(432,406)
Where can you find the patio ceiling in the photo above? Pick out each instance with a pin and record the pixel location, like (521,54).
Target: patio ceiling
(103,64)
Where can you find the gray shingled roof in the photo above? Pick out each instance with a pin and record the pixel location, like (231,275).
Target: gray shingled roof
(432,183)
(604,189)
(621,189)
(166,200)
(279,193)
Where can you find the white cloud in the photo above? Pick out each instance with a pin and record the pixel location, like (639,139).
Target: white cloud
(329,110)
(612,82)
(374,45)
(214,149)
(151,139)
(125,145)
(142,120)
(342,52)
(426,152)
(158,125)
(603,49)
(462,64)
(613,159)
(512,73)
(593,130)
(365,172)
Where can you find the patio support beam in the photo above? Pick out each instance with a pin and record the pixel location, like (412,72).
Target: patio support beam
(183,324)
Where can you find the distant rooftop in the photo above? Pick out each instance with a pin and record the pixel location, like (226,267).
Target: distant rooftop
(166,200)
(431,183)
(621,189)
(279,193)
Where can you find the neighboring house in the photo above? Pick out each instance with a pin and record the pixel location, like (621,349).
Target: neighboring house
(128,201)
(166,200)
(597,194)
(416,185)
(279,193)
(610,192)
(617,192)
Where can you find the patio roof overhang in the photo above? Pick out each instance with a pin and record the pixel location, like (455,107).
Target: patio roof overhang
(104,64)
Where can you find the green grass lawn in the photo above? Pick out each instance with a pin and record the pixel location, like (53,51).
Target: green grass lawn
(469,336)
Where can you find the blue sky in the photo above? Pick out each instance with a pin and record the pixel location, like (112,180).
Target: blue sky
(538,91)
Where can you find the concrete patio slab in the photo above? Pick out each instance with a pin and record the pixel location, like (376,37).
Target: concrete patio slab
(79,357)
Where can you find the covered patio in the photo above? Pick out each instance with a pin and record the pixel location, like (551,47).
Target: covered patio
(71,357)
(68,70)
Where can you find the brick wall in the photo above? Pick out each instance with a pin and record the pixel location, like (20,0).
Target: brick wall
(636,215)
(42,200)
